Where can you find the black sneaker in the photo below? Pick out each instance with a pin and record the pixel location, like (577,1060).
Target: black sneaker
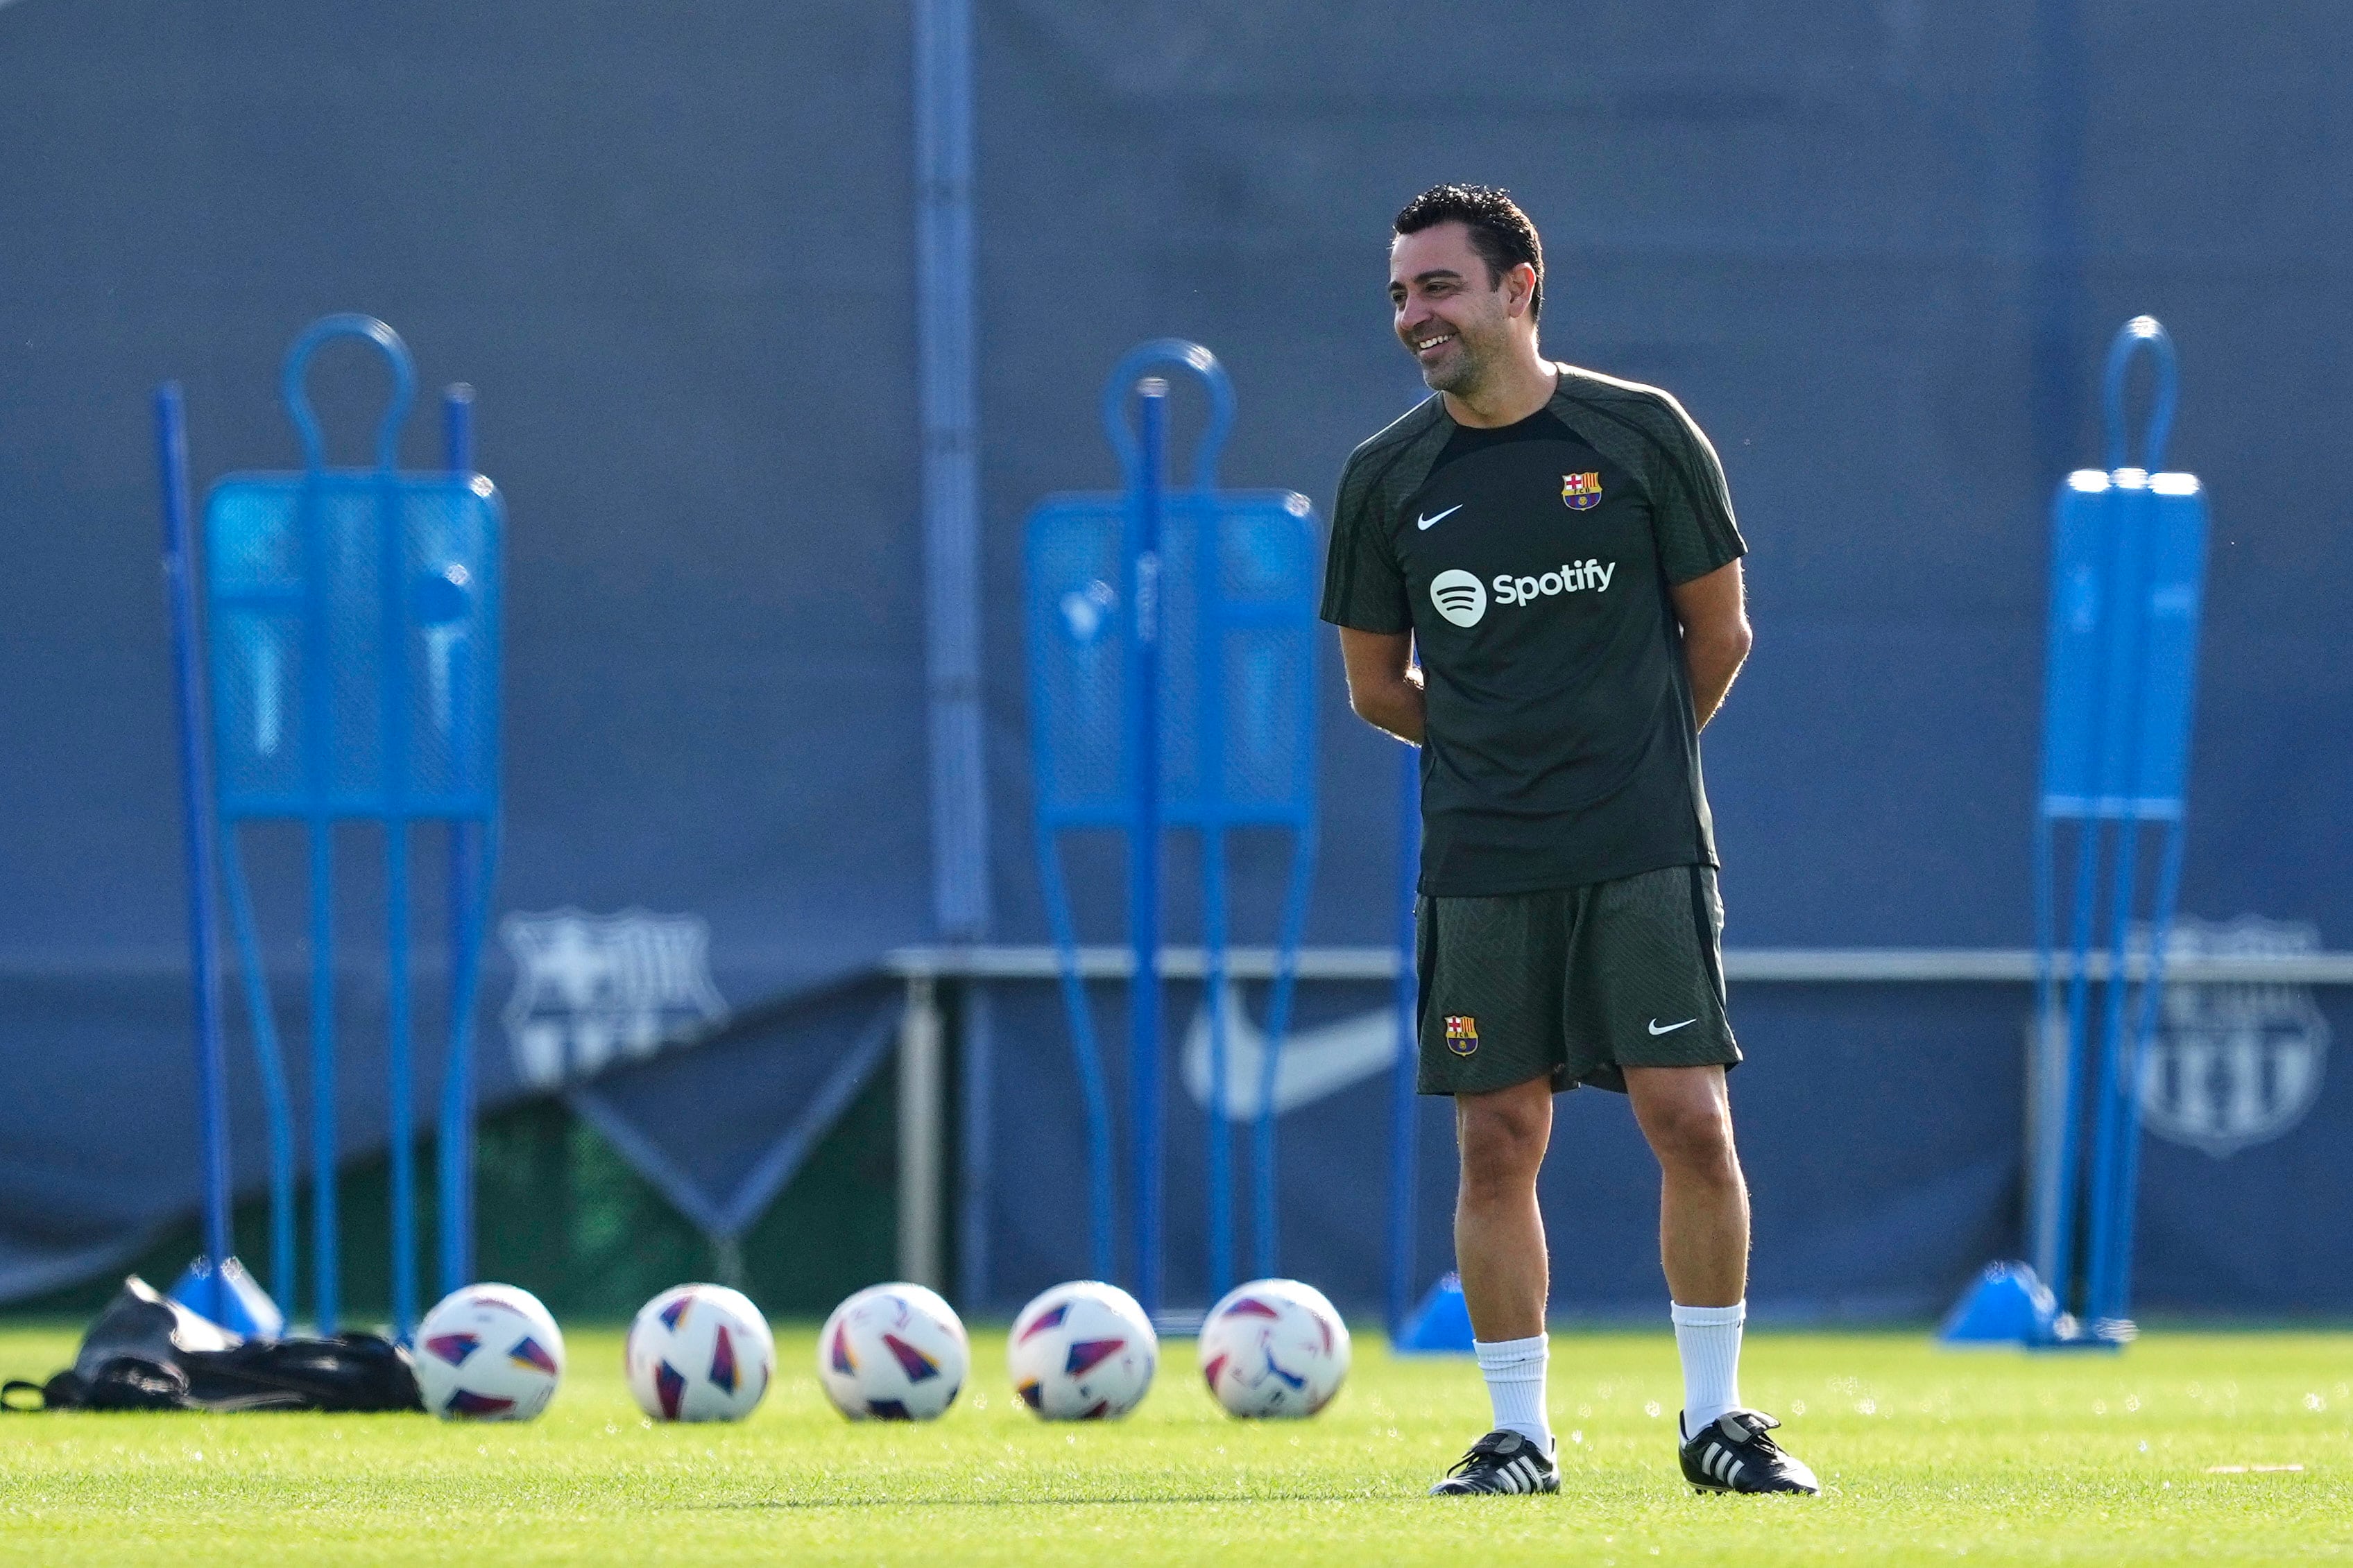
(1501,1461)
(1733,1454)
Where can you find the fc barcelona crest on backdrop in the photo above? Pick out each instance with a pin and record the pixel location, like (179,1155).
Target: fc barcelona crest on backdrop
(2234,1065)
(1581,491)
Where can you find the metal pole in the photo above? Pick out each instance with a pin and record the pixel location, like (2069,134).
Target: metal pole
(975,1061)
(1143,838)
(204,941)
(922,1095)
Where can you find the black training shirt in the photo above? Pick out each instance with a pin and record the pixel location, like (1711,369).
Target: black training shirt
(1532,565)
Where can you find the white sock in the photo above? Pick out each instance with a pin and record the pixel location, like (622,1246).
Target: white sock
(1709,1340)
(1515,1371)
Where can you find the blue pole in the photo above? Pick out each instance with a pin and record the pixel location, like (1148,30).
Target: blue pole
(1143,838)
(1221,1184)
(1085,1052)
(2104,1079)
(204,943)
(1278,1029)
(2117,1163)
(1403,1115)
(457,1173)
(2050,1189)
(2082,1064)
(2135,521)
(400,1111)
(393,729)
(2126,1189)
(1208,724)
(455,1146)
(2092,836)
(276,1098)
(323,1146)
(458,427)
(319,747)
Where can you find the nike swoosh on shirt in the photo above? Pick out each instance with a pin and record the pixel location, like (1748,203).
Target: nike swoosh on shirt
(1426,522)
(1671,1028)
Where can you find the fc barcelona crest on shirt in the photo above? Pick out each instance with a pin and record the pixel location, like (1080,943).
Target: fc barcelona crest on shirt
(1581,491)
(1461,1034)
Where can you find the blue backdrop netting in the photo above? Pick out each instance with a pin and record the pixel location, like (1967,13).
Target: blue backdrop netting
(688,300)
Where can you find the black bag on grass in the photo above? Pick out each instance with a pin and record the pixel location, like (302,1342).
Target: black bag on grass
(147,1352)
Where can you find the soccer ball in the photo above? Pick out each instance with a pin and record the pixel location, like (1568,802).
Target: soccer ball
(1082,1352)
(489,1353)
(699,1353)
(895,1352)
(1274,1347)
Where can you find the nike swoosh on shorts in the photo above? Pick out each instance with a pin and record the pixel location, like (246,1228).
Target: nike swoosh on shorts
(1671,1028)
(1429,522)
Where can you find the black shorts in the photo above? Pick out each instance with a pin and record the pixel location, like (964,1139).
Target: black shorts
(1575,983)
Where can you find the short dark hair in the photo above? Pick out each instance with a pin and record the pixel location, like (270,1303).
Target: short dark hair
(1499,232)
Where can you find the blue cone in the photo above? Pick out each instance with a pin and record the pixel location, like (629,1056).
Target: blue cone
(235,1301)
(1441,1325)
(2008,1305)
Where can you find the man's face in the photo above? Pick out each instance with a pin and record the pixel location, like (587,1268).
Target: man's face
(1453,321)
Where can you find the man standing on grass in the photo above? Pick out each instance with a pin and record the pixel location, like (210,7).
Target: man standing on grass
(1558,548)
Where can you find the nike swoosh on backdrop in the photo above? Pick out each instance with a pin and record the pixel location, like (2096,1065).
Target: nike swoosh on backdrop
(1427,522)
(1315,1062)
(1671,1028)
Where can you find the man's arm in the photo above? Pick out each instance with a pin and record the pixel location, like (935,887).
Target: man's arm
(1714,616)
(1384,686)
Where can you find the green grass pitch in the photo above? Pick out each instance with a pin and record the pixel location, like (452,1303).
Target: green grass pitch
(2187,1447)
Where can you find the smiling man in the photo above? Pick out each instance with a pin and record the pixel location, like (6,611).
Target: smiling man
(1558,549)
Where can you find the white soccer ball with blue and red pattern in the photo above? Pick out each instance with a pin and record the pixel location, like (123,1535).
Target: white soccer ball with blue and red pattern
(892,1352)
(699,1353)
(1274,1347)
(1082,1352)
(488,1353)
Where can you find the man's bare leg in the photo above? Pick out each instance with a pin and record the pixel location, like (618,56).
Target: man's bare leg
(1499,1247)
(1499,1239)
(1703,1198)
(1703,1226)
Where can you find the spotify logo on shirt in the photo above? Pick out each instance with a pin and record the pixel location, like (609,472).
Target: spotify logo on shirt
(1459,597)
(1462,598)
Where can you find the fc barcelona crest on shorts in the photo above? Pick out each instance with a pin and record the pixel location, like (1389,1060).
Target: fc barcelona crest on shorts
(1461,1034)
(1581,491)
